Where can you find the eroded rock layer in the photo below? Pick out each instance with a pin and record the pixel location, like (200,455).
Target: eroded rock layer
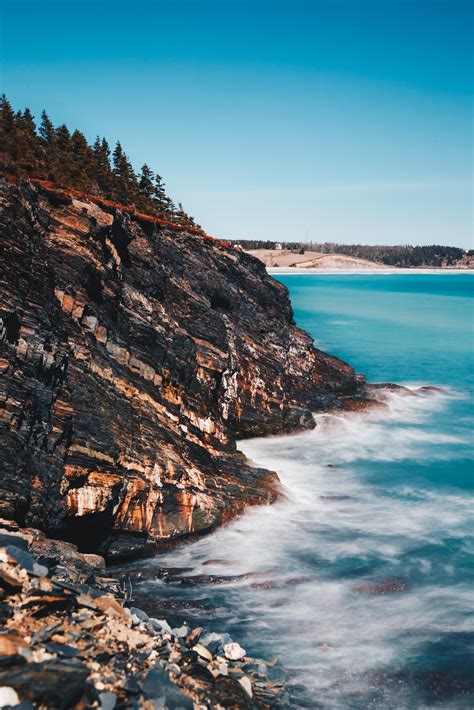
(132,357)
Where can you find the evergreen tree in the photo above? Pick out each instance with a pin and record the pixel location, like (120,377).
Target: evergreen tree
(103,170)
(28,143)
(145,182)
(125,183)
(68,159)
(46,129)
(162,204)
(8,145)
(59,151)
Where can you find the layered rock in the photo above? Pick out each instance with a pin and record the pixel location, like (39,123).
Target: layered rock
(132,358)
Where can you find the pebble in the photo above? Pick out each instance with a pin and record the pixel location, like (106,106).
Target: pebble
(107,700)
(234,651)
(203,651)
(246,685)
(181,632)
(8,696)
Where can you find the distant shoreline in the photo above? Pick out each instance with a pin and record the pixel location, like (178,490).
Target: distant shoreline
(288,271)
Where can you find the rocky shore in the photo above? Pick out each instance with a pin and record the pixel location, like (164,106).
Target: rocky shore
(71,638)
(133,358)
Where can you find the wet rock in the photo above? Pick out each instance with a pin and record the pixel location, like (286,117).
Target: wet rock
(60,633)
(358,404)
(52,683)
(391,585)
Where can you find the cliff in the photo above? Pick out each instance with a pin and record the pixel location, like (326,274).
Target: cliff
(132,357)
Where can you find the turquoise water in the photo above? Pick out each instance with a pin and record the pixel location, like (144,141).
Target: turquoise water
(362,580)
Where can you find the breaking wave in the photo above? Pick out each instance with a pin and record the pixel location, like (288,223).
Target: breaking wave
(360,579)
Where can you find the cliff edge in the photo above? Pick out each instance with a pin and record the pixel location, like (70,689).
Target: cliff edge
(132,358)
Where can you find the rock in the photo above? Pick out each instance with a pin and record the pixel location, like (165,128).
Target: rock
(161,625)
(233,651)
(246,685)
(14,540)
(21,556)
(183,338)
(181,632)
(40,570)
(8,696)
(157,686)
(107,700)
(202,651)
(52,683)
(391,585)
(106,603)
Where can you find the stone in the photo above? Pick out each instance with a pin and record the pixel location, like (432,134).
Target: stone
(233,651)
(246,685)
(40,570)
(189,341)
(107,700)
(8,696)
(51,683)
(202,651)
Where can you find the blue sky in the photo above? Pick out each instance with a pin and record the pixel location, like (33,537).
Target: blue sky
(342,120)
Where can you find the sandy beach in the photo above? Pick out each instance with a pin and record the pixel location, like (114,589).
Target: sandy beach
(286,271)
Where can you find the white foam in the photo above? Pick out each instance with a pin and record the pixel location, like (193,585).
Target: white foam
(326,630)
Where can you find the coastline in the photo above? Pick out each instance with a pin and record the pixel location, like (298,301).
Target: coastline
(287,271)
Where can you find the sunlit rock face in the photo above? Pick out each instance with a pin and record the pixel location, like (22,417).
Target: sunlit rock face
(132,357)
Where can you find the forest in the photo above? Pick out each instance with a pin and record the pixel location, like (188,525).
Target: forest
(403,255)
(66,158)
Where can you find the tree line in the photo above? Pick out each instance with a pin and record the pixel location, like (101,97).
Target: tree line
(404,255)
(65,157)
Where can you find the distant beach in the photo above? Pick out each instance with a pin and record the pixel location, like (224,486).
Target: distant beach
(287,271)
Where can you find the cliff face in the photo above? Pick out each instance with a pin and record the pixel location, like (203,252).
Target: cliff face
(132,357)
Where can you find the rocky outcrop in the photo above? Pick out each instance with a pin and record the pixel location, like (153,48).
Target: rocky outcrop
(132,358)
(72,639)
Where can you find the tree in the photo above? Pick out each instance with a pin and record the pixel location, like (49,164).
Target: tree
(46,129)
(145,182)
(162,204)
(8,145)
(102,169)
(28,143)
(125,182)
(67,158)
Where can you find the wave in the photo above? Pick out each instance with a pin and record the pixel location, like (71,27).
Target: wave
(361,579)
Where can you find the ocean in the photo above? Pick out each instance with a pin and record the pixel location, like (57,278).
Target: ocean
(362,580)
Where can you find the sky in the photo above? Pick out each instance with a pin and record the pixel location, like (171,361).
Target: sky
(323,120)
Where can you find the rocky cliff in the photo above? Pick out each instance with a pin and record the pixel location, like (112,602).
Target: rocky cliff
(132,358)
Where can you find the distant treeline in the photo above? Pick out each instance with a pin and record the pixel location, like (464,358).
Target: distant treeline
(403,255)
(65,157)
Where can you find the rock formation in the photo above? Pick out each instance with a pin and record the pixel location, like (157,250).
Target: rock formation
(132,357)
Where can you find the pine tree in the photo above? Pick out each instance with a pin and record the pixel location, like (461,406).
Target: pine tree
(81,162)
(60,156)
(8,144)
(68,159)
(103,171)
(125,182)
(28,143)
(161,202)
(145,182)
(46,129)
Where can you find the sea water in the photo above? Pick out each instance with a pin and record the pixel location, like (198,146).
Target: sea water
(362,580)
